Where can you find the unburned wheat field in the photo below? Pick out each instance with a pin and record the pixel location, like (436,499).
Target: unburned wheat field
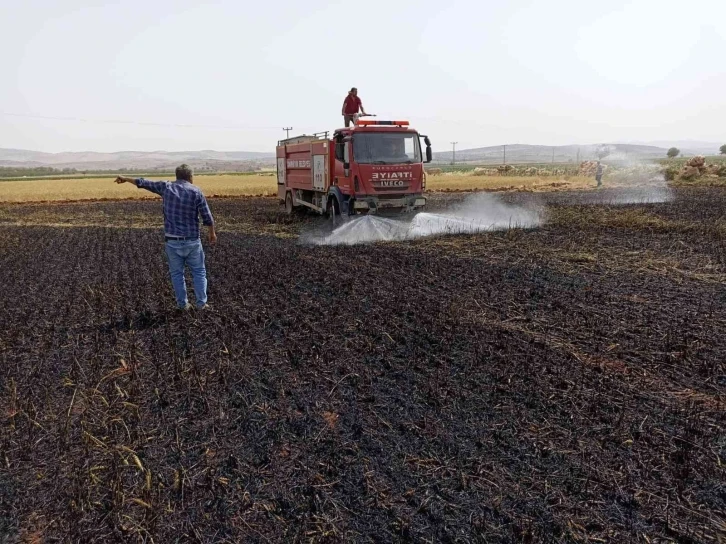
(560,384)
(231,185)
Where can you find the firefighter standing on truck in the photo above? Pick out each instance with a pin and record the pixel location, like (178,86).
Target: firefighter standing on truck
(351,105)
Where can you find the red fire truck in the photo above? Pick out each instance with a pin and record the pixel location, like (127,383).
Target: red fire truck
(369,167)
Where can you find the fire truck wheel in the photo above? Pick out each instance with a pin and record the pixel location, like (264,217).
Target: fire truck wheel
(288,203)
(333,210)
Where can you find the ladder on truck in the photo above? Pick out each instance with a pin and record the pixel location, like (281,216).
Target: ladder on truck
(303,138)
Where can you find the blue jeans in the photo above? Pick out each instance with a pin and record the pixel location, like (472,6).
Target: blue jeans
(189,252)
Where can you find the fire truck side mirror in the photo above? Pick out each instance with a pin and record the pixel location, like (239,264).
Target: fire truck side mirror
(429,154)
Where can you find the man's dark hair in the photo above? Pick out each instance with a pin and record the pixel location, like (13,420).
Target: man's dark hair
(353,89)
(184,172)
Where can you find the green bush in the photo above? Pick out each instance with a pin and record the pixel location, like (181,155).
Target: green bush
(670,173)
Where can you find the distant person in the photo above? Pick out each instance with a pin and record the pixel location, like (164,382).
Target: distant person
(598,174)
(183,204)
(352,105)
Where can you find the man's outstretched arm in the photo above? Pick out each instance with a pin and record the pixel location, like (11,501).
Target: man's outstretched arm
(153,186)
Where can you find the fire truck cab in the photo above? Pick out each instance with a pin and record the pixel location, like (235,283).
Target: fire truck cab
(370,167)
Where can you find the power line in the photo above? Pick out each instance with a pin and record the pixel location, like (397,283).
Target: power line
(287,131)
(126,122)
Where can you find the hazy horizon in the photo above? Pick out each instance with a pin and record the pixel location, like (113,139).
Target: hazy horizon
(681,144)
(89,76)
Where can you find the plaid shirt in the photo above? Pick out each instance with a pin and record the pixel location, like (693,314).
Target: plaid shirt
(183,204)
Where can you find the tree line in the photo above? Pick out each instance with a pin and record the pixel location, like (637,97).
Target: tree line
(673,152)
(40,171)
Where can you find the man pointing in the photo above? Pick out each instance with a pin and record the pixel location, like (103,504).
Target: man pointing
(183,204)
(351,106)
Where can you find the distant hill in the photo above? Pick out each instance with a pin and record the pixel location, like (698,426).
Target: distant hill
(134,160)
(688,147)
(523,153)
(210,160)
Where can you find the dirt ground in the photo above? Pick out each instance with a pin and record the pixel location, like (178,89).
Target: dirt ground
(559,384)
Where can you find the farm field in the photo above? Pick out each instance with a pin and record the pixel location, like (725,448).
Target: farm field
(559,384)
(104,188)
(469,182)
(46,190)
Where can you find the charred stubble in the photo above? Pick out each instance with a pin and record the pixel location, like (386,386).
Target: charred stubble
(552,385)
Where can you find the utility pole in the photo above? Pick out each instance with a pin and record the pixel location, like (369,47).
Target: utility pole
(578,155)
(505,155)
(453,152)
(553,155)
(287,131)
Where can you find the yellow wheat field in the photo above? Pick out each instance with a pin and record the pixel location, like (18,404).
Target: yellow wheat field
(105,188)
(468,182)
(255,185)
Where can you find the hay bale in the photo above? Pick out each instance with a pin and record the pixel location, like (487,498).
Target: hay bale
(434,171)
(486,172)
(712,169)
(697,161)
(588,168)
(690,172)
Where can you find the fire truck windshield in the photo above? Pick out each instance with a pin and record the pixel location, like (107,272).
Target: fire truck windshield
(386,148)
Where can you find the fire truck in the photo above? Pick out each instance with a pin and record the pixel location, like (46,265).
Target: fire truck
(371,167)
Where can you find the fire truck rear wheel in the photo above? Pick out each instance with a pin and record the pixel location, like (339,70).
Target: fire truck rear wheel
(288,203)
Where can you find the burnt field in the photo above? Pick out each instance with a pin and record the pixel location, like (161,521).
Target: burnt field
(560,384)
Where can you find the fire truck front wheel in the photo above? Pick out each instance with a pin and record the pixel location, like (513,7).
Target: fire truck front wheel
(333,210)
(289,208)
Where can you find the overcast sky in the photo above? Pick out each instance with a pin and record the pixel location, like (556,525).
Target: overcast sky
(479,72)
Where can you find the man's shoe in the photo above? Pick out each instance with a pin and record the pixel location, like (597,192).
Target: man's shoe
(184,308)
(204,307)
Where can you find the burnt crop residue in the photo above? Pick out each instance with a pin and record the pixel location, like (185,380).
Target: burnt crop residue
(558,384)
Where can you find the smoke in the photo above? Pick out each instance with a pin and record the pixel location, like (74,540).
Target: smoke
(645,194)
(639,182)
(478,213)
(629,179)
